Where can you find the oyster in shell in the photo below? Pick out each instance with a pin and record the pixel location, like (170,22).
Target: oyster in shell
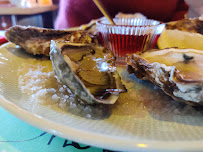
(178,72)
(185,33)
(37,40)
(88,70)
(192,25)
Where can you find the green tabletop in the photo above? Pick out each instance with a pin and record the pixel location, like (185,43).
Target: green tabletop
(18,136)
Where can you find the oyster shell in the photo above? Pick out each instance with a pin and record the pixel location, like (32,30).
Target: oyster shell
(178,72)
(37,40)
(88,70)
(192,25)
(185,33)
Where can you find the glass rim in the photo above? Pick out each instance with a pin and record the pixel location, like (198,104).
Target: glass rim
(99,22)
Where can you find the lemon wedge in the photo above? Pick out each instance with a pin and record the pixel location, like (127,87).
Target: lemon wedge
(180,39)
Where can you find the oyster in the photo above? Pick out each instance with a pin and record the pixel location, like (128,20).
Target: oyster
(192,25)
(90,27)
(185,33)
(88,70)
(37,40)
(178,72)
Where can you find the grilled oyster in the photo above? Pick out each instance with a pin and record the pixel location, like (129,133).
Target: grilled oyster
(37,40)
(88,70)
(178,72)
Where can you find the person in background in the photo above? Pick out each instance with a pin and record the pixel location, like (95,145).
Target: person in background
(76,12)
(195,8)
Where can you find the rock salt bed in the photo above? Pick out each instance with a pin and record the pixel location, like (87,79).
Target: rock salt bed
(39,81)
(143,98)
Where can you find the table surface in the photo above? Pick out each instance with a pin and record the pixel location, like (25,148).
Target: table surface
(18,136)
(26,11)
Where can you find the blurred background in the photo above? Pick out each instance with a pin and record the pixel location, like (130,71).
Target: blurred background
(41,13)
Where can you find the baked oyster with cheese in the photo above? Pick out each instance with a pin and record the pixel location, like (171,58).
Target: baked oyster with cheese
(178,72)
(88,70)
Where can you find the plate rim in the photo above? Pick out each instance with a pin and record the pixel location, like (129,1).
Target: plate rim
(88,138)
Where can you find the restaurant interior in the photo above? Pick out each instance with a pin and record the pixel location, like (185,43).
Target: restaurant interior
(101,75)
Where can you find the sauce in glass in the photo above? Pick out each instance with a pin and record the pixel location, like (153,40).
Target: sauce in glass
(127,44)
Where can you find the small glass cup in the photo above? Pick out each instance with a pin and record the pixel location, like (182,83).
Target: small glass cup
(129,35)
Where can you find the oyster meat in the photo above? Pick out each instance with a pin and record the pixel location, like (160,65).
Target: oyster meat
(88,70)
(37,40)
(178,72)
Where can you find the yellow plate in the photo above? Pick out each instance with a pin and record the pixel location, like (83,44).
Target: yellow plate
(142,119)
